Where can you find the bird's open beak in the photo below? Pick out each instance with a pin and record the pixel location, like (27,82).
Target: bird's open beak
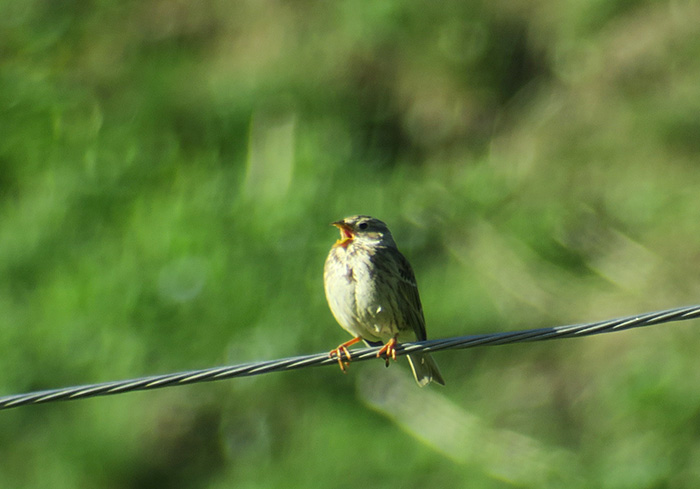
(345,233)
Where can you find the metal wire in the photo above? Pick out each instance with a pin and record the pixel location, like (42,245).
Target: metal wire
(319,359)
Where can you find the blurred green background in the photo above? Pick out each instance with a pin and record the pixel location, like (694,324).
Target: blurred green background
(168,171)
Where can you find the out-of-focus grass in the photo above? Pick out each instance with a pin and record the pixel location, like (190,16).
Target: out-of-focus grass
(167,173)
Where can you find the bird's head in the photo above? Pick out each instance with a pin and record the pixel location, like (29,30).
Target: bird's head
(363,229)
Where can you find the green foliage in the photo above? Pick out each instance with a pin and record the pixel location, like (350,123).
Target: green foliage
(168,171)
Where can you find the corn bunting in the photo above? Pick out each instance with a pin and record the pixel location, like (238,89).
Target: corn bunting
(372,292)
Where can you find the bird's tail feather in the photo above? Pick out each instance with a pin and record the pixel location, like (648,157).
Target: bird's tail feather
(425,370)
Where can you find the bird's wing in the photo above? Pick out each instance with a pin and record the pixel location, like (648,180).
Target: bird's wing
(408,294)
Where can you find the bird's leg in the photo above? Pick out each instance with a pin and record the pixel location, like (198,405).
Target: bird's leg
(388,350)
(343,350)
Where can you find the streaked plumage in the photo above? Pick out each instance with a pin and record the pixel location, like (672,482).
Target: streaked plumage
(372,292)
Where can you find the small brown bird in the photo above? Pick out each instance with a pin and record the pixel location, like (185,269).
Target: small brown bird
(372,292)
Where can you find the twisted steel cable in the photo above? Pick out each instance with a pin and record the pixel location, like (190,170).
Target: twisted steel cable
(319,359)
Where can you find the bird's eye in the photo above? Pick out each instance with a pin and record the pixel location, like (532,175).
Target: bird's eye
(362,225)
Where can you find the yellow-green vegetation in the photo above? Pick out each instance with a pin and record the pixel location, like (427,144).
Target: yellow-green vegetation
(168,171)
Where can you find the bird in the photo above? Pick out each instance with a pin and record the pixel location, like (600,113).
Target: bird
(372,292)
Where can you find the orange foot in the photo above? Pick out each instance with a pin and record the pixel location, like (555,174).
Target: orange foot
(343,350)
(388,350)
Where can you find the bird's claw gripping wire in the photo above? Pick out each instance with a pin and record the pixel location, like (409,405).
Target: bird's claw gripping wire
(343,350)
(388,350)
